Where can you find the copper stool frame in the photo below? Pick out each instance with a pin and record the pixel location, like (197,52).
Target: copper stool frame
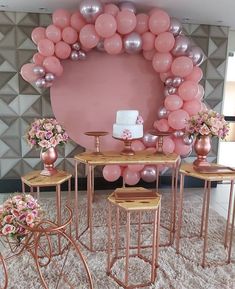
(228,238)
(155,242)
(91,161)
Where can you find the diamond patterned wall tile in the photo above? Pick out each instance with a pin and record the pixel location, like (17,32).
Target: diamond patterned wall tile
(21,102)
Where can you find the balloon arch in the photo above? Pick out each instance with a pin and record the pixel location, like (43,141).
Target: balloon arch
(117,29)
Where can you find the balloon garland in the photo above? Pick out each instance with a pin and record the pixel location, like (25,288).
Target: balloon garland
(117,29)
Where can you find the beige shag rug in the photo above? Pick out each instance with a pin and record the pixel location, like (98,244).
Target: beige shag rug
(175,271)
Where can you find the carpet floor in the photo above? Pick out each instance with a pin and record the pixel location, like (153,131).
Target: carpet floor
(175,271)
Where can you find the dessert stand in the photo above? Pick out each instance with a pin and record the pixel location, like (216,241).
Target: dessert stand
(160,135)
(127,150)
(97,135)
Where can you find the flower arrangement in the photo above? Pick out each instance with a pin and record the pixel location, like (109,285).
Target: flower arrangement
(19,209)
(126,134)
(208,123)
(46,133)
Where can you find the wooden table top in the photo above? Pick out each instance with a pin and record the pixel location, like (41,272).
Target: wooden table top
(143,157)
(189,170)
(135,205)
(34,179)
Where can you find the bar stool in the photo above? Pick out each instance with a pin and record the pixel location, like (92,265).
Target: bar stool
(138,201)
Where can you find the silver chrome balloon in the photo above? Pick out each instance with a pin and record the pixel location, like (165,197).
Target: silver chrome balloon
(178,133)
(49,77)
(187,139)
(82,55)
(182,46)
(149,140)
(39,71)
(74,55)
(132,43)
(76,46)
(149,174)
(196,54)
(168,81)
(175,26)
(162,112)
(176,81)
(90,10)
(40,83)
(127,6)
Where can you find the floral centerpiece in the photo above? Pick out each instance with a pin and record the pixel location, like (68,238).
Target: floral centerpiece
(203,126)
(47,133)
(16,213)
(208,123)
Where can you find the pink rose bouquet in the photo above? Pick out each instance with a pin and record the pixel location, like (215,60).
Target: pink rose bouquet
(19,209)
(46,133)
(208,123)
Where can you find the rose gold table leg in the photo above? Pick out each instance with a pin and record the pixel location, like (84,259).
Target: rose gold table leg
(158,232)
(23,186)
(180,212)
(38,192)
(5,285)
(203,209)
(157,179)
(229,213)
(231,233)
(117,232)
(139,233)
(58,206)
(127,248)
(154,246)
(109,237)
(92,183)
(69,204)
(89,198)
(76,198)
(208,191)
(173,199)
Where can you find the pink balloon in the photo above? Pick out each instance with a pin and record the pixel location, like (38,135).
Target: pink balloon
(62,50)
(141,23)
(53,33)
(159,22)
(38,34)
(188,90)
(38,58)
(173,102)
(149,54)
(27,72)
(137,145)
(164,42)
(61,18)
(111,173)
(105,25)
(88,36)
(111,9)
(135,168)
(77,21)
(126,22)
(182,66)
(180,147)
(161,125)
(195,75)
(52,64)
(177,119)
(46,47)
(151,150)
(162,61)
(165,75)
(201,92)
(148,39)
(192,107)
(113,44)
(69,35)
(168,145)
(131,178)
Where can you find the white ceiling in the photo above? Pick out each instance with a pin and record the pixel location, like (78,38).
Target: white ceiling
(220,12)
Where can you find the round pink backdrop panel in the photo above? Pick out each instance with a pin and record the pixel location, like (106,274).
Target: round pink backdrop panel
(89,93)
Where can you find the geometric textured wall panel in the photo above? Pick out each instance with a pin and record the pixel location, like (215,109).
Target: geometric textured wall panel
(21,103)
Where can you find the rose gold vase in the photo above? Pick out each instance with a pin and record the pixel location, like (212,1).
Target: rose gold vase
(49,157)
(202,147)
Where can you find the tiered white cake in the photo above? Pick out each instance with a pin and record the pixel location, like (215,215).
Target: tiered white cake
(129,125)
